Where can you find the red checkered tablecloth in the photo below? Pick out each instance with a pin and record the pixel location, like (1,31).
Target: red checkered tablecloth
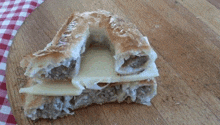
(12,15)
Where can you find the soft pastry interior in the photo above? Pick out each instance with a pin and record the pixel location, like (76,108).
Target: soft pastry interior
(95,57)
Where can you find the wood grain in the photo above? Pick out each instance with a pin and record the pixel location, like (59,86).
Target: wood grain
(185,35)
(216,3)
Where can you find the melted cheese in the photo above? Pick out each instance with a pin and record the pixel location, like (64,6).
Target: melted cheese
(52,88)
(47,89)
(98,66)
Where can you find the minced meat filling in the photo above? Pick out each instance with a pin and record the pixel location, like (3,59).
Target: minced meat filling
(62,71)
(135,61)
(63,105)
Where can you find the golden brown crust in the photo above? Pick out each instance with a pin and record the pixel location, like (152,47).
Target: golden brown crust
(133,41)
(124,35)
(70,41)
(125,38)
(63,29)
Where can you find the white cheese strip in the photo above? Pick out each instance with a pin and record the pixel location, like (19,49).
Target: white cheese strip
(57,89)
(98,66)
(54,88)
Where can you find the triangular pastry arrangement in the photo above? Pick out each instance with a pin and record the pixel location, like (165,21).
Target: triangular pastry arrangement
(95,57)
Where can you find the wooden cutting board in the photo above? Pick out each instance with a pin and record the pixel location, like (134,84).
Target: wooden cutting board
(186,37)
